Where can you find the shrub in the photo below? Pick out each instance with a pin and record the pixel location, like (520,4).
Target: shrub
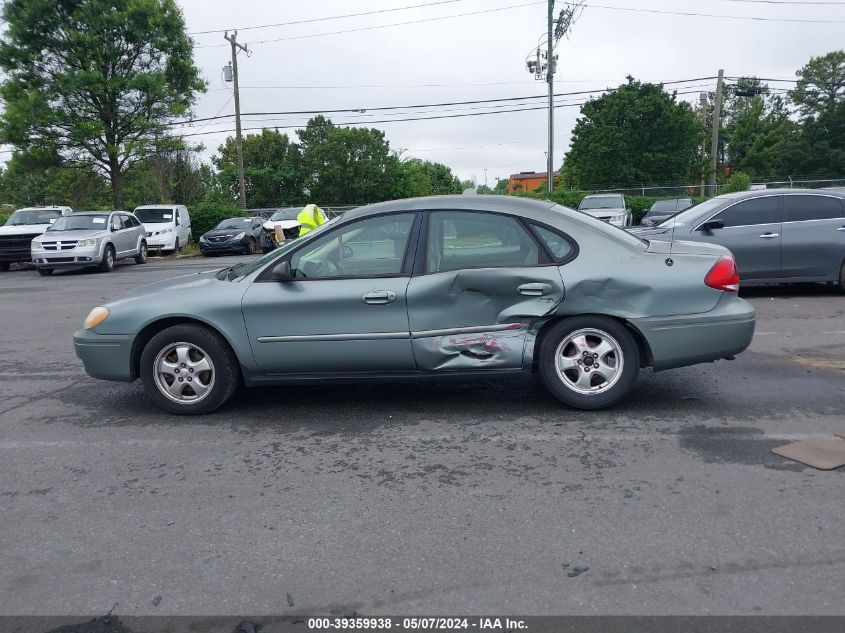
(739,181)
(206,215)
(3,217)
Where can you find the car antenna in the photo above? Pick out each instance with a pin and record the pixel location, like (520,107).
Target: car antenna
(669,260)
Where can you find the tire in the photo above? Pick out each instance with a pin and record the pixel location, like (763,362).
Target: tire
(250,246)
(176,247)
(45,272)
(177,348)
(607,343)
(842,277)
(141,257)
(107,264)
(4,266)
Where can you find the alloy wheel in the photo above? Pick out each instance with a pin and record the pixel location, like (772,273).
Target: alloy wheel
(184,373)
(589,361)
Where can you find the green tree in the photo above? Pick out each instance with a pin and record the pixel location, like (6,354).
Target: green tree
(272,169)
(821,84)
(43,178)
(167,177)
(416,177)
(501,187)
(637,133)
(739,181)
(343,165)
(756,130)
(97,80)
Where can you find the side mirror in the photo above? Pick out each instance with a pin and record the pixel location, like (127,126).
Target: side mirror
(712,224)
(282,271)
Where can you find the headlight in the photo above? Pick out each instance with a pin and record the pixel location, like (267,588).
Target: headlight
(95,317)
(89,242)
(239,236)
(35,245)
(202,238)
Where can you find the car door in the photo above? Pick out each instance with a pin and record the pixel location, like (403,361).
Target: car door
(813,235)
(119,235)
(345,310)
(752,232)
(481,279)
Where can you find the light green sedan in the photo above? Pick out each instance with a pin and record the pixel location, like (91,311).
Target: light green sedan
(444,287)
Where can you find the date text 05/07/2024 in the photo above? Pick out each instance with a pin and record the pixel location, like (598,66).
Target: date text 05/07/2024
(416,624)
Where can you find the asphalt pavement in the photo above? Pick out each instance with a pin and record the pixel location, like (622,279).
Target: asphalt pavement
(431,498)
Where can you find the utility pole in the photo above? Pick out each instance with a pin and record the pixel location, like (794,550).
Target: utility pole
(550,79)
(232,39)
(702,100)
(714,147)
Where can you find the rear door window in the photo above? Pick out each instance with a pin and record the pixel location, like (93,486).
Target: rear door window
(560,247)
(461,239)
(764,210)
(802,208)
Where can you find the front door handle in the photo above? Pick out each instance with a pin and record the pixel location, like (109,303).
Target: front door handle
(534,290)
(379,297)
(768,236)
(841,228)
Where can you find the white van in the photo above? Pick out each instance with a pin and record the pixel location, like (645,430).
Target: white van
(168,226)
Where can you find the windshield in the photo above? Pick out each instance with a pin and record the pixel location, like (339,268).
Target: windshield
(234,223)
(26,217)
(693,213)
(78,222)
(285,214)
(601,202)
(152,215)
(663,207)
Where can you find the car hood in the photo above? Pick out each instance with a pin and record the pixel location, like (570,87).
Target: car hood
(60,236)
(25,229)
(224,232)
(285,224)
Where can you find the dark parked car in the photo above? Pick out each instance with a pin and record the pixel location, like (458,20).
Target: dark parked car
(441,287)
(235,235)
(776,235)
(663,209)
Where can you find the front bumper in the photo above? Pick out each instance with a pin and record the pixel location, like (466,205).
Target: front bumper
(165,242)
(13,255)
(74,258)
(210,248)
(677,341)
(105,356)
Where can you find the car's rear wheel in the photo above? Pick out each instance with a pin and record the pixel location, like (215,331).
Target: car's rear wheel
(107,263)
(250,246)
(141,257)
(188,369)
(45,272)
(589,362)
(841,283)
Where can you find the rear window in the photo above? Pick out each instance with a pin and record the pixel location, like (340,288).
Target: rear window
(559,246)
(801,208)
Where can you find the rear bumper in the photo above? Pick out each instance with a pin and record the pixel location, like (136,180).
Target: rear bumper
(677,341)
(105,356)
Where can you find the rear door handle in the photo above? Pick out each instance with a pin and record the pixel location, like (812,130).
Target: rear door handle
(379,297)
(768,236)
(841,228)
(534,290)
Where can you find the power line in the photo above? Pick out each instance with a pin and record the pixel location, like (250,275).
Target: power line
(793,2)
(431,105)
(710,15)
(325,19)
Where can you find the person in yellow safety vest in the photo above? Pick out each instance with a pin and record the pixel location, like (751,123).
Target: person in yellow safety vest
(310,218)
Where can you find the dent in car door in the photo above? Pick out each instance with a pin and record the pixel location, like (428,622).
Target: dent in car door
(478,318)
(331,323)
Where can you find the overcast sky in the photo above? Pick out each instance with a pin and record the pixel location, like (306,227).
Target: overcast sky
(482,56)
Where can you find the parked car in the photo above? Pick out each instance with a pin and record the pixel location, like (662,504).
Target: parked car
(776,235)
(236,235)
(663,209)
(23,226)
(451,286)
(286,220)
(90,238)
(609,207)
(168,227)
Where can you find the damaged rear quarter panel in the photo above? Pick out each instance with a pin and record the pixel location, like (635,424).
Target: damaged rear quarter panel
(477,319)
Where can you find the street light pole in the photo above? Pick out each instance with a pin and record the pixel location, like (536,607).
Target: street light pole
(239,150)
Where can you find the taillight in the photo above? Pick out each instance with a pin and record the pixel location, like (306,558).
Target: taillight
(723,275)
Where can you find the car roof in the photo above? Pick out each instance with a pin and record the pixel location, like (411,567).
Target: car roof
(96,212)
(159,206)
(739,195)
(604,195)
(511,205)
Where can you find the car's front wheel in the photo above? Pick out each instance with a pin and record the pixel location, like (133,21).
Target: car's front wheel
(589,362)
(45,272)
(250,246)
(107,263)
(189,369)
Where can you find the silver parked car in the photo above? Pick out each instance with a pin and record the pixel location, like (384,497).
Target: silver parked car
(441,287)
(90,238)
(776,235)
(610,207)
